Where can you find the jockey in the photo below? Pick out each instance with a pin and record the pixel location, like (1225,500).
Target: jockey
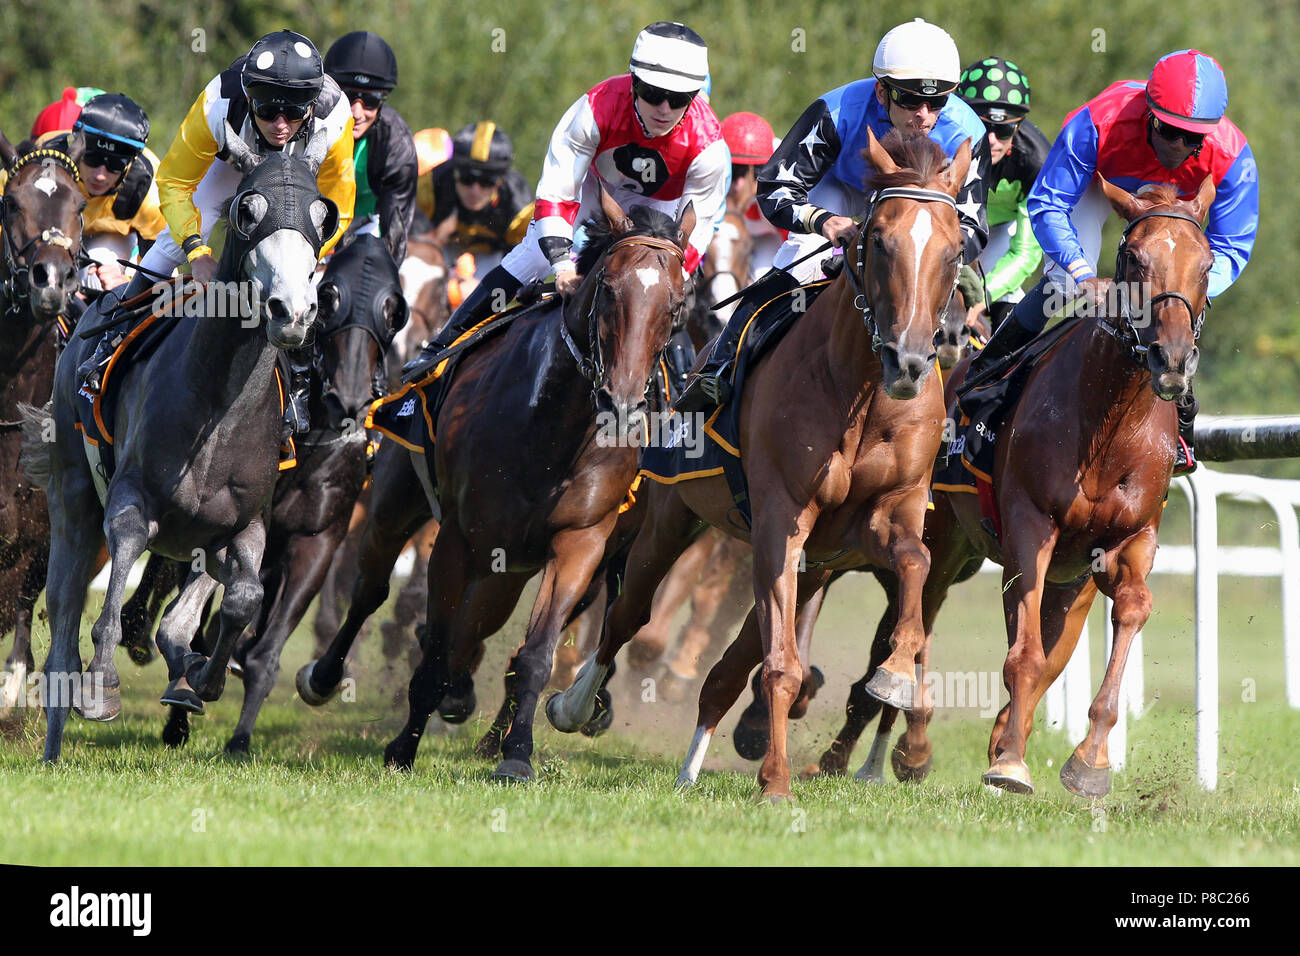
(478,202)
(1172,130)
(121,217)
(813,183)
(383,152)
(751,141)
(998,92)
(647,138)
(276,98)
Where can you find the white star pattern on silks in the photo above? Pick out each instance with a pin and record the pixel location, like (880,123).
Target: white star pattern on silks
(972,174)
(785,174)
(812,140)
(782,193)
(970,209)
(801,212)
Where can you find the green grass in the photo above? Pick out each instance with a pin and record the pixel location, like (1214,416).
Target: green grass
(316,792)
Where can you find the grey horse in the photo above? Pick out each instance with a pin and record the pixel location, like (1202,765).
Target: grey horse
(196,438)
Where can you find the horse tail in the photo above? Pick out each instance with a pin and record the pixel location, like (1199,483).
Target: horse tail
(37,424)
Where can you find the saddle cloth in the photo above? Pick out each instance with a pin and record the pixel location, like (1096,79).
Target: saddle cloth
(691,446)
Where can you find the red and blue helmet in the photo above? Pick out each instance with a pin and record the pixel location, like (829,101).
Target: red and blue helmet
(1187,89)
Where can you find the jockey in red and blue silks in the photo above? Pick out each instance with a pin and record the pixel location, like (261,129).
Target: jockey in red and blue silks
(1169,130)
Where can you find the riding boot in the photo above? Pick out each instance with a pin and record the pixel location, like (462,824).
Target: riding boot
(297,420)
(497,288)
(710,387)
(1017,330)
(90,373)
(1185,457)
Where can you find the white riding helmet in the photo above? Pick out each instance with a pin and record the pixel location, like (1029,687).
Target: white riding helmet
(671,57)
(918,56)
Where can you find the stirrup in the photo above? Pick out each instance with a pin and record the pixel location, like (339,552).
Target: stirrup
(1184,459)
(706,390)
(296,419)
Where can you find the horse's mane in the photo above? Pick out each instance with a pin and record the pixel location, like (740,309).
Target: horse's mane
(1159,194)
(920,159)
(646,221)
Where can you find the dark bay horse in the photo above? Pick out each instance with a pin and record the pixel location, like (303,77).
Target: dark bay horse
(197,437)
(361,309)
(840,425)
(525,480)
(1080,481)
(41,221)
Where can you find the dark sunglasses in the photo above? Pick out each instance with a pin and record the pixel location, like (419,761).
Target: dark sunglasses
(914,101)
(1003,131)
(370,99)
(740,170)
(270,109)
(654,95)
(113,162)
(473,177)
(1171,133)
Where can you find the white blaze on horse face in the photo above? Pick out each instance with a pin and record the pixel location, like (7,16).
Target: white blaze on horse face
(46,183)
(649,278)
(922,227)
(1170,240)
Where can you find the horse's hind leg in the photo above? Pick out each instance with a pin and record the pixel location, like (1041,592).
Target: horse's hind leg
(175,632)
(20,662)
(722,687)
(129,534)
(140,612)
(238,570)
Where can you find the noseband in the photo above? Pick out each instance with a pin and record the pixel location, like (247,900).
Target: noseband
(1125,330)
(17,287)
(593,367)
(857,275)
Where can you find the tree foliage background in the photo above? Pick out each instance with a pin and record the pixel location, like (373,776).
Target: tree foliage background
(522,63)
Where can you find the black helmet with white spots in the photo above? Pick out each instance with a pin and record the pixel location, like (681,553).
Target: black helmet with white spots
(283,67)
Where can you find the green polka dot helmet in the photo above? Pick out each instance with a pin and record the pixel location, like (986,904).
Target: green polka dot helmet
(995,88)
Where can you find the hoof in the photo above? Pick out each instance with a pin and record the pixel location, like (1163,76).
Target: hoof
(488,746)
(235,669)
(104,708)
(310,696)
(240,745)
(180,694)
(907,773)
(555,716)
(1084,781)
(750,738)
(13,691)
(1009,776)
(896,690)
(457,710)
(176,732)
(642,654)
(684,782)
(513,771)
(811,772)
(398,756)
(674,687)
(602,718)
(140,654)
(777,798)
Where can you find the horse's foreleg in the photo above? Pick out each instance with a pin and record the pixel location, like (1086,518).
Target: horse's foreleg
(129,534)
(1028,545)
(1087,772)
(894,682)
(650,642)
(669,530)
(239,571)
(176,630)
(721,689)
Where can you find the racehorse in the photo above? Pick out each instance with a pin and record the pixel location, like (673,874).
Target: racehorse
(41,222)
(535,397)
(361,309)
(839,428)
(196,440)
(1080,481)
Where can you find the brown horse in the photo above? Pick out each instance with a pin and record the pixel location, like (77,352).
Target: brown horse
(527,479)
(1080,481)
(41,221)
(840,425)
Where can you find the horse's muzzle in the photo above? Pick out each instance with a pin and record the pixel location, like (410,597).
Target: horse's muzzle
(287,328)
(904,373)
(1172,372)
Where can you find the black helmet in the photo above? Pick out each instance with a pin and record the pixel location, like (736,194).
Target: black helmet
(995,88)
(283,67)
(482,146)
(362,60)
(113,123)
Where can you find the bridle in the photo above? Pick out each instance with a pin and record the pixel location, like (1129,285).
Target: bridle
(1125,330)
(16,287)
(593,367)
(857,274)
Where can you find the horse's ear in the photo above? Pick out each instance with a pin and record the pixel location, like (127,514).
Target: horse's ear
(617,218)
(955,175)
(877,156)
(76,147)
(1204,198)
(686,224)
(7,152)
(241,157)
(1123,201)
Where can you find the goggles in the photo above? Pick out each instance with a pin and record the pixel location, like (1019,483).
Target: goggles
(914,101)
(370,99)
(113,162)
(476,177)
(270,109)
(1171,133)
(655,95)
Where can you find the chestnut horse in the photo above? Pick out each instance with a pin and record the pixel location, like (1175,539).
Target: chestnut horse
(527,477)
(1081,476)
(840,425)
(41,220)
